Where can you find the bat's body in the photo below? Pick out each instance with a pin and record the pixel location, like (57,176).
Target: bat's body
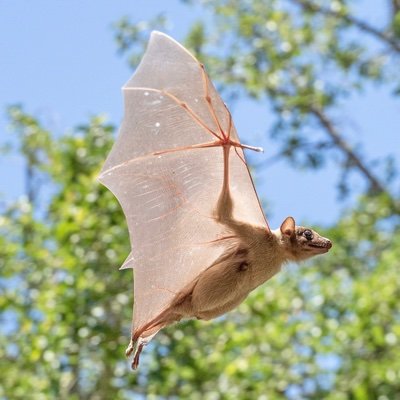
(200,241)
(253,256)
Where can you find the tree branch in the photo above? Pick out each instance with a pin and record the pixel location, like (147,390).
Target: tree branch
(326,123)
(395,6)
(362,25)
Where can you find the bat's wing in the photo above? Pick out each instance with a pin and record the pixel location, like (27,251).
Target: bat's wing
(169,197)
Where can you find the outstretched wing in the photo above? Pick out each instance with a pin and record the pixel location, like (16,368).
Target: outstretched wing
(169,197)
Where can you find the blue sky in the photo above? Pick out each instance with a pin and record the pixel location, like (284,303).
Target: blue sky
(59,59)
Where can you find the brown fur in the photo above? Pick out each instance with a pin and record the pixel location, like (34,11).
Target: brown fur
(255,255)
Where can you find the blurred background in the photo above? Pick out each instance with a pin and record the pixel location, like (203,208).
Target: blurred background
(317,84)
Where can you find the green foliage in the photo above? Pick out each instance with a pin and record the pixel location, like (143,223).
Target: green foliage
(396,24)
(65,337)
(134,36)
(303,58)
(329,329)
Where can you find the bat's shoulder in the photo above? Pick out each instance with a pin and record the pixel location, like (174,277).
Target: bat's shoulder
(253,235)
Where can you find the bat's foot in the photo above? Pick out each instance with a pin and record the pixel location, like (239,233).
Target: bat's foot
(130,348)
(136,346)
(136,357)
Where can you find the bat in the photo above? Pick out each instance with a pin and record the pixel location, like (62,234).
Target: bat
(200,240)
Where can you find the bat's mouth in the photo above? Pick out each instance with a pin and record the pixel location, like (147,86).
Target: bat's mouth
(321,246)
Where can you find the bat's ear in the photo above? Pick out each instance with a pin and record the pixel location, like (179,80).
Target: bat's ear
(288,227)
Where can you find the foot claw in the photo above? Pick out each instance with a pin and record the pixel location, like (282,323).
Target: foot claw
(130,348)
(135,361)
(136,346)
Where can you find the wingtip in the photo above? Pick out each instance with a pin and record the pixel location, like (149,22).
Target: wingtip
(161,38)
(154,36)
(157,35)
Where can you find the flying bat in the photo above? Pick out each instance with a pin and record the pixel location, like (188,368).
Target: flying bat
(200,241)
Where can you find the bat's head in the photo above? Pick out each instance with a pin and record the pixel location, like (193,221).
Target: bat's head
(301,243)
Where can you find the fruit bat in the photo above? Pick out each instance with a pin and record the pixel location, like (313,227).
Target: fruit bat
(200,241)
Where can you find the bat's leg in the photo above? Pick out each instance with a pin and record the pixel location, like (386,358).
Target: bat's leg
(147,332)
(137,344)
(169,317)
(179,309)
(136,356)
(220,287)
(137,348)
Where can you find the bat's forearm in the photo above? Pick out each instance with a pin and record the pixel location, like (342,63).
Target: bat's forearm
(170,93)
(224,209)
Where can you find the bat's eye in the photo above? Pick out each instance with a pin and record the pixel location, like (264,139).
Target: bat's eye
(308,234)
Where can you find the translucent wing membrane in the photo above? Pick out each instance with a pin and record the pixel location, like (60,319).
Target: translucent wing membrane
(169,197)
